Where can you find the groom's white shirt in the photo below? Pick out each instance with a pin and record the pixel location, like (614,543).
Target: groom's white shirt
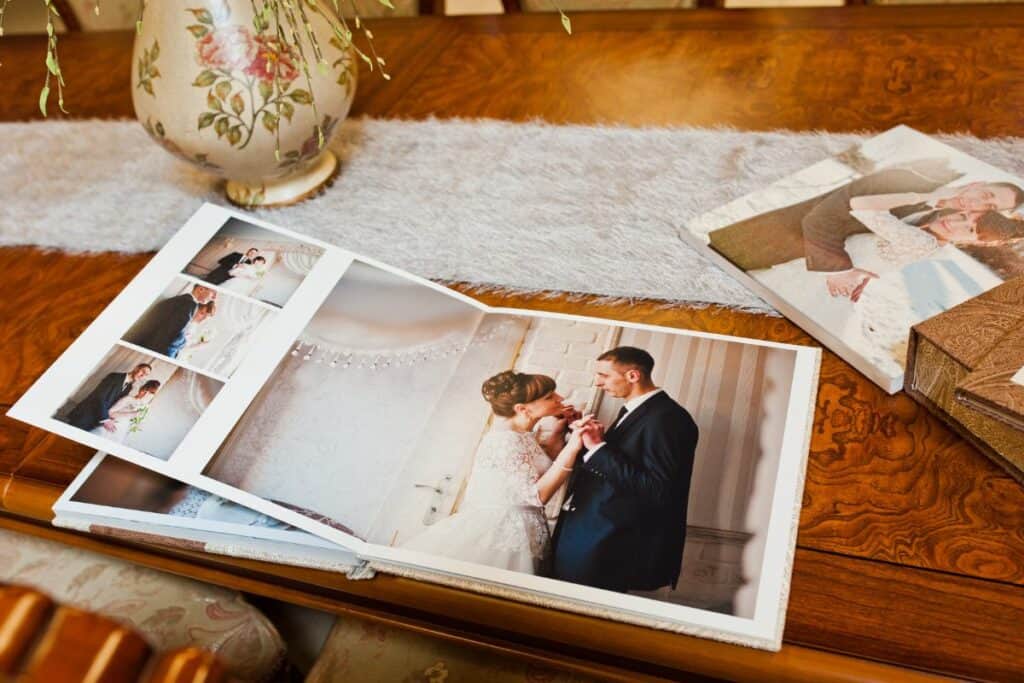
(631,405)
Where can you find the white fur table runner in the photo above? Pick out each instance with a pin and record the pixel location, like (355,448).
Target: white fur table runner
(525,206)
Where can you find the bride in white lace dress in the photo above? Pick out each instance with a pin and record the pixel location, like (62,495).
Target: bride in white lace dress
(906,272)
(501,521)
(118,424)
(246,276)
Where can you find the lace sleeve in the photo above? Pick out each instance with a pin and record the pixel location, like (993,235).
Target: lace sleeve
(505,472)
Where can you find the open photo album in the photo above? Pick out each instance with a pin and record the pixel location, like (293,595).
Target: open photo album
(859,248)
(258,393)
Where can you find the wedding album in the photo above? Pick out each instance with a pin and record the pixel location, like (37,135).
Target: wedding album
(859,248)
(960,364)
(261,393)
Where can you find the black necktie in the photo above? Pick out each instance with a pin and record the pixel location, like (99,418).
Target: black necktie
(618,418)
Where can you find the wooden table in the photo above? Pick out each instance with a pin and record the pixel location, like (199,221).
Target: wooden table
(911,546)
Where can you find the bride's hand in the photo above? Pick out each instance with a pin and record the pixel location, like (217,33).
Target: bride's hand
(581,422)
(562,422)
(109,425)
(575,440)
(849,283)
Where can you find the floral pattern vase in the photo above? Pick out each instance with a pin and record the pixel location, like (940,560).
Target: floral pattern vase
(233,100)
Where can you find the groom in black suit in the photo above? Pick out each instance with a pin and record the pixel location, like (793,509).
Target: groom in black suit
(161,324)
(623,524)
(92,410)
(222,273)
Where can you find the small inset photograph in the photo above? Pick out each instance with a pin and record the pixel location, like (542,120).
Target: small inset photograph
(199,327)
(261,264)
(139,400)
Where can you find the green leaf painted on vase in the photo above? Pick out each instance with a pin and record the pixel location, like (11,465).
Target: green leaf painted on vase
(223,89)
(221,126)
(197,30)
(212,102)
(206,119)
(266,90)
(155,52)
(205,79)
(202,16)
(237,103)
(301,96)
(269,121)
(234,135)
(287,109)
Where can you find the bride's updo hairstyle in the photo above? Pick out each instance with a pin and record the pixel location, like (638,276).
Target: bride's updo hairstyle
(506,389)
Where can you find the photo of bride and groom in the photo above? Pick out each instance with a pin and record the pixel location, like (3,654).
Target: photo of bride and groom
(254,262)
(526,447)
(192,324)
(233,270)
(875,240)
(138,400)
(623,523)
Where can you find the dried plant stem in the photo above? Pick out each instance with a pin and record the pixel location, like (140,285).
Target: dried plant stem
(52,62)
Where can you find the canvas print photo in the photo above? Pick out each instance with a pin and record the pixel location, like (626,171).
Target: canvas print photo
(139,400)
(867,244)
(254,262)
(199,326)
(635,461)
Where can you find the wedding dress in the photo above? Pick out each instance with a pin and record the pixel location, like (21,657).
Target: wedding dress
(194,335)
(121,413)
(501,520)
(244,279)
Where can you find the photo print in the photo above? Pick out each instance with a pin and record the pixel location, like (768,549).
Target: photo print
(139,400)
(529,445)
(859,248)
(199,327)
(254,262)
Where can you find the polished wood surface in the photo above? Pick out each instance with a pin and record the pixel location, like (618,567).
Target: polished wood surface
(911,545)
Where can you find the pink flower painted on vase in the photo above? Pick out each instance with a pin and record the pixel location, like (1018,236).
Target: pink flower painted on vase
(271,54)
(227,47)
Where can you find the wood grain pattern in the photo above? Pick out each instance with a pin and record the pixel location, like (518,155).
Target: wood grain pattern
(841,69)
(905,528)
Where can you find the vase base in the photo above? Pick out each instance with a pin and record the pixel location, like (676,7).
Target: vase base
(290,189)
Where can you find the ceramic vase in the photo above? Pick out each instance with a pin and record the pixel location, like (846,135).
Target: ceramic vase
(233,100)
